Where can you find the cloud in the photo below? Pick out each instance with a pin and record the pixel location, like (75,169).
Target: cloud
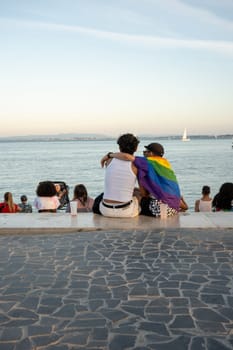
(198,13)
(157,42)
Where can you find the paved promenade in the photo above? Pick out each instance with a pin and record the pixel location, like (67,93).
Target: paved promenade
(163,288)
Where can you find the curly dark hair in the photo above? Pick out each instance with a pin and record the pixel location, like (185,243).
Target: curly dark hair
(223,199)
(128,143)
(46,189)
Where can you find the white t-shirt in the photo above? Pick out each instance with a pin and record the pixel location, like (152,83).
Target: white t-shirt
(46,202)
(119,181)
(205,205)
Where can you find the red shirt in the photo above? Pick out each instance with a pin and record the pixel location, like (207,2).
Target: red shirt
(4,208)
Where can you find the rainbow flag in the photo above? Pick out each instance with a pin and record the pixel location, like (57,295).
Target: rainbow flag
(157,177)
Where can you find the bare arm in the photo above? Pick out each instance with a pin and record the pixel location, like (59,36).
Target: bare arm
(183,204)
(197,205)
(118,155)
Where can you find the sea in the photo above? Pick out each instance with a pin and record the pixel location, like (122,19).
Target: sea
(25,163)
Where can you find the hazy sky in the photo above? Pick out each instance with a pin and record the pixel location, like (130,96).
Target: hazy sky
(113,66)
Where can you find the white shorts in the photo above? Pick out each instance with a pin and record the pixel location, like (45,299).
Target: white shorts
(131,210)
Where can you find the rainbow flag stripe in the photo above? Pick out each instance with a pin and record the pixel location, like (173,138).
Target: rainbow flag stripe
(155,174)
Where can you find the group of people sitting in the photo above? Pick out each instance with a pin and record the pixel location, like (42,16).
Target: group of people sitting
(8,206)
(156,179)
(157,183)
(49,198)
(223,200)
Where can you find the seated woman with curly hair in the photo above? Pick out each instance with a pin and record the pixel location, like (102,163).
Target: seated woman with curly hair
(46,200)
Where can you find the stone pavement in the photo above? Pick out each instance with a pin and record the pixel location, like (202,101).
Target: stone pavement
(155,289)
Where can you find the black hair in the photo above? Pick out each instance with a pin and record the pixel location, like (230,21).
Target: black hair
(223,199)
(23,198)
(128,143)
(205,190)
(46,189)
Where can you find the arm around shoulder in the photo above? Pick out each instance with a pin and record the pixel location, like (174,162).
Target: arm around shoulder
(118,155)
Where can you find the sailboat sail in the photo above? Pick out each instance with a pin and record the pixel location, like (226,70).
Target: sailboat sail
(185,138)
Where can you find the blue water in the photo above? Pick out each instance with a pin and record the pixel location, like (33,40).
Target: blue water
(24,164)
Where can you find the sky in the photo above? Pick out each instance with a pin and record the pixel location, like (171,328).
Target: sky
(115,66)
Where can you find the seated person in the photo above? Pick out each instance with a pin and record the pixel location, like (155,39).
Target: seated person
(84,202)
(157,180)
(25,207)
(223,200)
(8,206)
(61,194)
(119,183)
(46,200)
(204,204)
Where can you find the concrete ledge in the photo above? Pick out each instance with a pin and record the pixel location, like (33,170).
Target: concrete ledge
(64,222)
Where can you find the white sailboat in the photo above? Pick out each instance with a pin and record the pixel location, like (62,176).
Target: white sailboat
(184,137)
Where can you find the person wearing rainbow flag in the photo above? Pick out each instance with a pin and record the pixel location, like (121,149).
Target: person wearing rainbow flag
(156,178)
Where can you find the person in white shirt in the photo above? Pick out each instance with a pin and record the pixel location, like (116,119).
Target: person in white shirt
(46,200)
(119,198)
(204,204)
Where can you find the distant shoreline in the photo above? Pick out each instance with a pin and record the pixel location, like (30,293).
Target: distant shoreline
(64,138)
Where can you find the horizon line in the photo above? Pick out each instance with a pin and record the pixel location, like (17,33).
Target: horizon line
(98,135)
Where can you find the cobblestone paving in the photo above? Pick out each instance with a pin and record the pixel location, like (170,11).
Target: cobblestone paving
(162,290)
